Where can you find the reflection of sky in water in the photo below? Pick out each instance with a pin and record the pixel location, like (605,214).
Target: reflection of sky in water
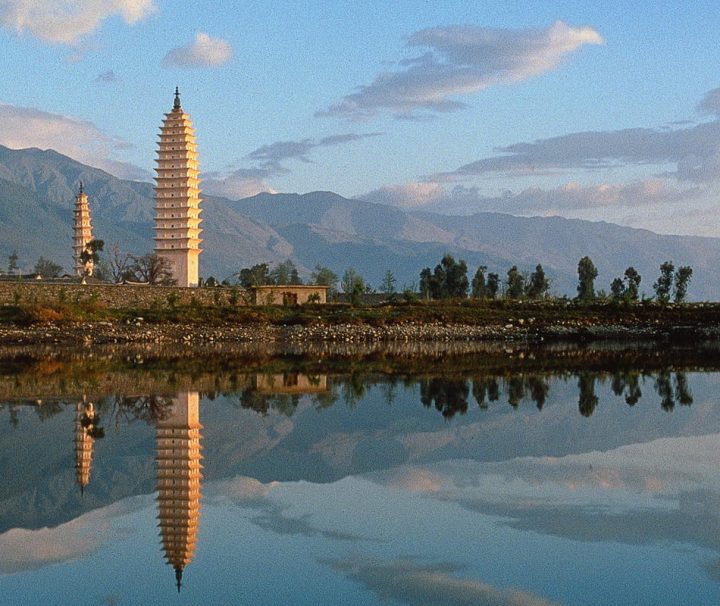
(503,506)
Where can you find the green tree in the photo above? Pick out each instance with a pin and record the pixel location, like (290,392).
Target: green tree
(449,279)
(257,275)
(515,283)
(587,272)
(47,268)
(284,273)
(632,288)
(682,279)
(664,283)
(538,285)
(353,285)
(493,285)
(587,400)
(90,255)
(387,286)
(323,276)
(479,287)
(13,262)
(617,289)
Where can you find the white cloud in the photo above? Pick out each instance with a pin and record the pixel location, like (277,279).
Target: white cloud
(461,60)
(24,127)
(694,150)
(204,51)
(66,22)
(242,183)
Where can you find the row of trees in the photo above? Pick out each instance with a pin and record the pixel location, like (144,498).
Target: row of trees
(672,284)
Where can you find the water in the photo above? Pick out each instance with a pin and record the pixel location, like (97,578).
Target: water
(436,475)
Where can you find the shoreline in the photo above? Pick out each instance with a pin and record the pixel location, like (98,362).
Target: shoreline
(139,331)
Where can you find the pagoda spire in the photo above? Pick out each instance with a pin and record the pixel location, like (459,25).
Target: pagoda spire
(176,104)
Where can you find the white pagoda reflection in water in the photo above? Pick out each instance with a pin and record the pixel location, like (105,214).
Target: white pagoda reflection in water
(178,480)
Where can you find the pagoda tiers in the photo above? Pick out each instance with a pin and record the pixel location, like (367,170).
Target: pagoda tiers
(82,233)
(84,421)
(178,480)
(177,197)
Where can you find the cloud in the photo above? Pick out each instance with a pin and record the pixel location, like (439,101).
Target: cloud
(411,583)
(107,77)
(242,183)
(710,103)
(461,60)
(534,200)
(25,127)
(406,195)
(270,162)
(275,153)
(204,51)
(694,150)
(64,22)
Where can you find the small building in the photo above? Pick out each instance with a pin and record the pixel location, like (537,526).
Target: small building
(290,383)
(290,294)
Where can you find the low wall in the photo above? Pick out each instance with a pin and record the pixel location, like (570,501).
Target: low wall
(116,295)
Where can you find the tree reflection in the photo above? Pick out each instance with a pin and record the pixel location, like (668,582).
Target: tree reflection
(449,396)
(587,401)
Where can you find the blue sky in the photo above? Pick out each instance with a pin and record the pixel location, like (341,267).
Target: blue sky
(584,109)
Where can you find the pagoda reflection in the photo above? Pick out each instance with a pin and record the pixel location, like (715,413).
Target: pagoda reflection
(84,441)
(178,480)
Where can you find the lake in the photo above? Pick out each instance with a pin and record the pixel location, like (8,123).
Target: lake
(404,474)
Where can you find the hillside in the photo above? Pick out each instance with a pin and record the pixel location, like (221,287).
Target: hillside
(37,189)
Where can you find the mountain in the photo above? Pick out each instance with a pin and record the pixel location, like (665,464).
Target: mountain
(37,190)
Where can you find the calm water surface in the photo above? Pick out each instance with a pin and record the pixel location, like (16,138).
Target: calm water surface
(453,481)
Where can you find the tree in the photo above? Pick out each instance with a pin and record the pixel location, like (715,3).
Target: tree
(493,285)
(664,283)
(353,285)
(587,400)
(617,288)
(455,276)
(538,285)
(284,273)
(120,265)
(257,275)
(12,262)
(515,283)
(387,286)
(587,272)
(323,276)
(90,255)
(426,283)
(47,268)
(449,279)
(479,288)
(682,279)
(153,269)
(632,289)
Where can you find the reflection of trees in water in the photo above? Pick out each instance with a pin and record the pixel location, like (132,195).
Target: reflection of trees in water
(627,384)
(252,399)
(449,396)
(150,408)
(587,400)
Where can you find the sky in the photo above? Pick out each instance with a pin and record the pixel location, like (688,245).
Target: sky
(603,111)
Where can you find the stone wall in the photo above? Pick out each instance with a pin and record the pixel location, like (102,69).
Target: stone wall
(115,295)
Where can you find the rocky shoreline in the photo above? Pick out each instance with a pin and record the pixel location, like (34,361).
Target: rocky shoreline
(140,331)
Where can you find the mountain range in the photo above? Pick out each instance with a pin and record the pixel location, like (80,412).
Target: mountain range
(38,187)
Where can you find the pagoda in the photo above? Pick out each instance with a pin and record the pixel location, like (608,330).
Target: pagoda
(84,441)
(177,197)
(178,480)
(82,233)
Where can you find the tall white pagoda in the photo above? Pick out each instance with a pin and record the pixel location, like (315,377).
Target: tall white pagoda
(177,197)
(82,232)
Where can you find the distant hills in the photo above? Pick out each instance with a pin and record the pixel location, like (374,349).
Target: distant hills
(37,190)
